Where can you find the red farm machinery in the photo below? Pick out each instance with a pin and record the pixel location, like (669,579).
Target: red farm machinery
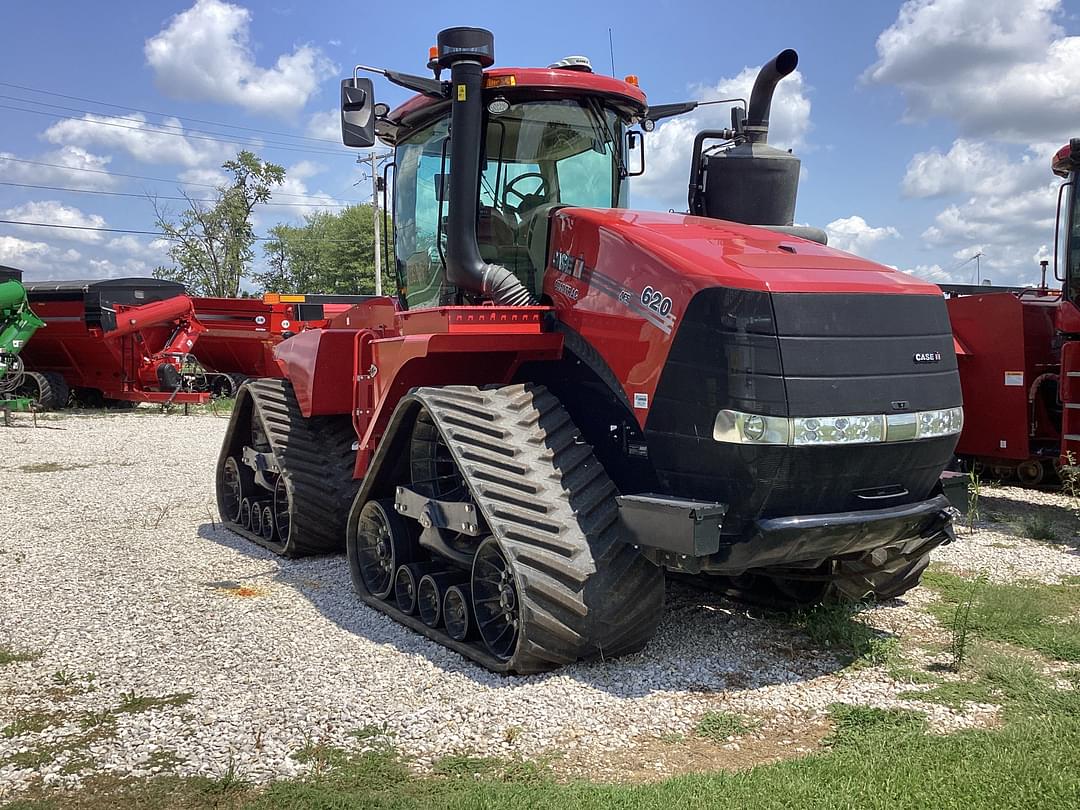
(240,334)
(117,342)
(569,399)
(1019,359)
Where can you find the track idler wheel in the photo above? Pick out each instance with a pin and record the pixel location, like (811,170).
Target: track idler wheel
(456,613)
(382,545)
(237,482)
(430,592)
(496,600)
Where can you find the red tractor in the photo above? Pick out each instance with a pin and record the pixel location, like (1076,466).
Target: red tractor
(569,398)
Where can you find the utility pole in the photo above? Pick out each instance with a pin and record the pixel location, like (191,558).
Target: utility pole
(376,224)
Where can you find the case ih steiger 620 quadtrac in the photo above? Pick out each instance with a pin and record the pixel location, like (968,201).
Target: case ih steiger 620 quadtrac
(569,398)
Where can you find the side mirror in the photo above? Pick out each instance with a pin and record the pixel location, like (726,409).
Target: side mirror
(635,142)
(358,112)
(442,187)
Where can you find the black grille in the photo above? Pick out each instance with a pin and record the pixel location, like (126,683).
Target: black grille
(800,355)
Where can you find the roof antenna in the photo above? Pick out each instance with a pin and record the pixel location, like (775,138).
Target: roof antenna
(611,50)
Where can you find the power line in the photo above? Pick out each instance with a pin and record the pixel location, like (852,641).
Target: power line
(149,128)
(167,115)
(168,196)
(161,234)
(148,179)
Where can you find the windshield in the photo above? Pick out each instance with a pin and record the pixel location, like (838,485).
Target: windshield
(1071,239)
(537,154)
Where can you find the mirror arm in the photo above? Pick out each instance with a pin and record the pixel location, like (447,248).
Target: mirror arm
(421,84)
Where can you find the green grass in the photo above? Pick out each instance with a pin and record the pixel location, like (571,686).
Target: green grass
(718,726)
(10,656)
(836,626)
(132,703)
(1032,615)
(1040,527)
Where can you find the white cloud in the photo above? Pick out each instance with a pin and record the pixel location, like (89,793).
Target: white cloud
(999,68)
(325,124)
(293,197)
(38,259)
(854,235)
(204,177)
(975,167)
(144,141)
(205,54)
(56,213)
(669,147)
(67,162)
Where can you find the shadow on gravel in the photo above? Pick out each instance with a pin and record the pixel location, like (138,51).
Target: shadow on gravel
(706,643)
(1046,523)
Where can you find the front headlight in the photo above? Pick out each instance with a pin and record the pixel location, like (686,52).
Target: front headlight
(737,427)
(839,429)
(750,428)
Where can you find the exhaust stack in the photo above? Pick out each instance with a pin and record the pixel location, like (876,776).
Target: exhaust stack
(466,52)
(751,182)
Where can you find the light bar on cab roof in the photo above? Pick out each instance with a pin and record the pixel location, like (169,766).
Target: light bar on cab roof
(736,427)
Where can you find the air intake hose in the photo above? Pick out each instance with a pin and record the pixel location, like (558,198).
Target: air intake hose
(466,52)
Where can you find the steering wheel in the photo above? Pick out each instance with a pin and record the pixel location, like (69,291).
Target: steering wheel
(528,201)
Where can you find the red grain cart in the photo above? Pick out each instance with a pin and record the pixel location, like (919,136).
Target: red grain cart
(119,341)
(1010,376)
(241,333)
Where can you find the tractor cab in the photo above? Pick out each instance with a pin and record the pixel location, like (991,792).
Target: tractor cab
(1066,164)
(532,140)
(538,152)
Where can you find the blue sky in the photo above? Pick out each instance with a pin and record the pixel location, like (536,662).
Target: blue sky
(925,128)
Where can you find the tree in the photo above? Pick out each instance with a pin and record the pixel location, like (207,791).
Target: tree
(212,243)
(330,253)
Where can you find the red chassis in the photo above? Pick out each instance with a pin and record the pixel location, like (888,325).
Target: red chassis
(395,351)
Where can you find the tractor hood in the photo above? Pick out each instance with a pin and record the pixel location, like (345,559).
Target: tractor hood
(708,252)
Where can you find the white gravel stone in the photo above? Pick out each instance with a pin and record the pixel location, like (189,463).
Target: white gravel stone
(113,570)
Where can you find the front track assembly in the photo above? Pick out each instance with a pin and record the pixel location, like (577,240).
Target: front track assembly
(501,530)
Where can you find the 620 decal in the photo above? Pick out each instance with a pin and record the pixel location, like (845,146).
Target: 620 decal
(656,301)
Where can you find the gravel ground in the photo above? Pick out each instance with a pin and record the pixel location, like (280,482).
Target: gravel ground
(161,641)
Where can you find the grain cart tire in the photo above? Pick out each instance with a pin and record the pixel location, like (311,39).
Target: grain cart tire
(547,541)
(48,391)
(308,482)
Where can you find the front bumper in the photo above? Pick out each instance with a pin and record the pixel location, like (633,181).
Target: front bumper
(788,542)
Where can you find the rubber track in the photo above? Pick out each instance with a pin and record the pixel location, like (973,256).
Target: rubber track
(316,455)
(584,592)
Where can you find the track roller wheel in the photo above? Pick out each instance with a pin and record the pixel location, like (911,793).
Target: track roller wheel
(1032,472)
(267,523)
(457,616)
(495,599)
(256,518)
(380,546)
(245,513)
(430,592)
(406,581)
